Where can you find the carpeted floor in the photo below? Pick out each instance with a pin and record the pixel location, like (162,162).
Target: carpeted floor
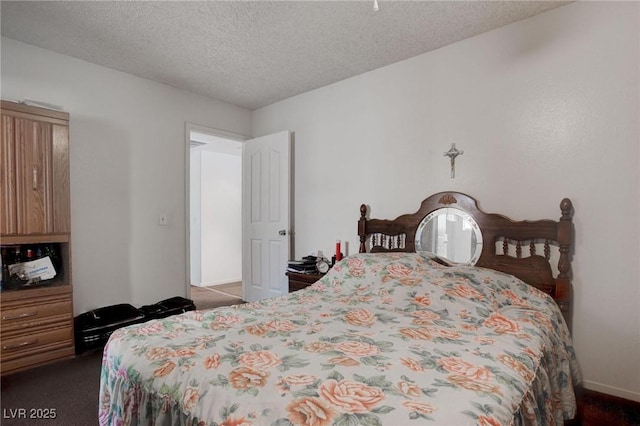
(65,392)
(215,296)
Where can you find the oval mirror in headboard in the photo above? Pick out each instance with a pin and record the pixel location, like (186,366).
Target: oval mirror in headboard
(451,234)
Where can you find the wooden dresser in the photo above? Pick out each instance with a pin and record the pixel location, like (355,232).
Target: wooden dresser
(299,281)
(36,319)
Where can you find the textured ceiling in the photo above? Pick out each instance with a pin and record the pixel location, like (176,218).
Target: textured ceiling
(253,53)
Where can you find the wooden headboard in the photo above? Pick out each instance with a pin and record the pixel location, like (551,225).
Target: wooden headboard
(508,246)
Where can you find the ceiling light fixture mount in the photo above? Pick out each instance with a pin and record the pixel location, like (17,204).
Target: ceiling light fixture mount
(375,6)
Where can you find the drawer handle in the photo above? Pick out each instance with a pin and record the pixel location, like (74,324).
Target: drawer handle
(35,178)
(20,345)
(24,315)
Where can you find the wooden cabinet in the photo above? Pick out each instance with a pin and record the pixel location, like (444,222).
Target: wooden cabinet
(37,320)
(299,281)
(35,171)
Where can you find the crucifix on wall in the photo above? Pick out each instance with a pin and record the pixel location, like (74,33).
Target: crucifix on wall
(452,154)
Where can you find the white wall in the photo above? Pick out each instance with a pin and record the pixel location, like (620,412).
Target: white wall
(544,109)
(127,166)
(219,216)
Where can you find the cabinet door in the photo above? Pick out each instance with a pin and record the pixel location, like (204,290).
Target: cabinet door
(8,221)
(60,187)
(33,182)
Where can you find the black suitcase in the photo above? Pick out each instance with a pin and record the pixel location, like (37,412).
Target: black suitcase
(92,329)
(168,307)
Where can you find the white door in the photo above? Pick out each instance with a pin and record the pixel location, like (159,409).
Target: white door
(266,194)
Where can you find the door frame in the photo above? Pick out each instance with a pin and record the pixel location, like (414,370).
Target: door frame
(188,128)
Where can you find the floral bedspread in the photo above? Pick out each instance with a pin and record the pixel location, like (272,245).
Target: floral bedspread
(382,339)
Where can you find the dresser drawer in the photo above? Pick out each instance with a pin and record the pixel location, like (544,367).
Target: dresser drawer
(29,361)
(35,315)
(36,326)
(29,344)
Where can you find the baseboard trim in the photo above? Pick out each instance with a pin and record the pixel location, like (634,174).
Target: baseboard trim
(611,390)
(220,282)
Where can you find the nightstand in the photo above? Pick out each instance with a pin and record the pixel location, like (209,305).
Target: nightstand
(299,281)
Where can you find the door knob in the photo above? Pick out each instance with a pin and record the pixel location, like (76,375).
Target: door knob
(282,232)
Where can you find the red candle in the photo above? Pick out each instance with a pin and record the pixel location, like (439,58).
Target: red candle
(338,252)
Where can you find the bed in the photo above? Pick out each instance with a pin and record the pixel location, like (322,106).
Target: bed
(393,335)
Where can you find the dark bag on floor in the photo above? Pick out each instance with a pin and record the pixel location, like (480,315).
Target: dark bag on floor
(92,329)
(168,307)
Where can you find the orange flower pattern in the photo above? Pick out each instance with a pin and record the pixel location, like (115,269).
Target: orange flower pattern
(225,321)
(502,324)
(408,388)
(300,379)
(191,397)
(256,329)
(236,421)
(260,360)
(411,364)
(471,384)
(357,349)
(156,353)
(244,378)
(350,396)
(420,407)
(464,291)
(344,360)
(360,317)
(319,347)
(382,339)
(152,327)
(425,317)
(422,300)
(311,411)
(460,366)
(164,369)
(417,333)
(488,421)
(516,365)
(212,361)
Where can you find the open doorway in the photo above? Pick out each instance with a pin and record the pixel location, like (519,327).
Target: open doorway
(215,218)
(264,238)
